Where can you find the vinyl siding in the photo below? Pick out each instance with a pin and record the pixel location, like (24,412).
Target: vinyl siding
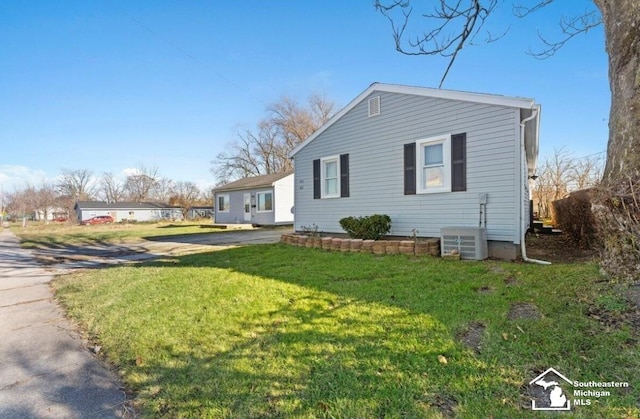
(375,148)
(236,209)
(282,203)
(140,215)
(235,215)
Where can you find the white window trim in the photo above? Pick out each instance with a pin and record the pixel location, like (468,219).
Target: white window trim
(445,140)
(227,200)
(258,200)
(323,192)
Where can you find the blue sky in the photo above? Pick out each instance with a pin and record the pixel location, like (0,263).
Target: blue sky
(109,85)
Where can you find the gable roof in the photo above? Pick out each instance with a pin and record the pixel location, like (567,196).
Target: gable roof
(488,99)
(99,205)
(253,182)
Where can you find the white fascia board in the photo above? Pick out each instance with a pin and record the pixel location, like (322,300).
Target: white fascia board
(507,101)
(489,99)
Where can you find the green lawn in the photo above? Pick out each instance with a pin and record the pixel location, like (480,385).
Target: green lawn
(281,331)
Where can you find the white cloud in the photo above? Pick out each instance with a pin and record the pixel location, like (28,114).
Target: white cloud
(14,177)
(130,172)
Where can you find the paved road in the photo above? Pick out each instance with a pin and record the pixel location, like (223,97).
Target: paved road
(46,369)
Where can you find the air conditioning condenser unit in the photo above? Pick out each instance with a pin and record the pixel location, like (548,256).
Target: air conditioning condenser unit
(469,242)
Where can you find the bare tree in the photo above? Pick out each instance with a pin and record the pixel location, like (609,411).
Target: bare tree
(46,201)
(294,122)
(570,26)
(110,188)
(619,224)
(76,184)
(452,25)
(252,154)
(585,172)
(552,181)
(266,149)
(455,24)
(162,190)
(560,174)
(39,203)
(24,202)
(185,195)
(139,185)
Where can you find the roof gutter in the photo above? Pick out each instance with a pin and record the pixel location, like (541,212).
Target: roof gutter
(523,159)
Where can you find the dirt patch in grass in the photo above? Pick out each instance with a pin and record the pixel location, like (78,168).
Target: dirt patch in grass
(526,311)
(558,248)
(484,290)
(510,281)
(619,309)
(471,337)
(633,295)
(446,404)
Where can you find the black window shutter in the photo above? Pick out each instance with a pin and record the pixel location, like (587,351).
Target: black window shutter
(459,162)
(316,179)
(344,175)
(410,169)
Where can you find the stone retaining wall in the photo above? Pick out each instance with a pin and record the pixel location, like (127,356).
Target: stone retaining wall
(379,247)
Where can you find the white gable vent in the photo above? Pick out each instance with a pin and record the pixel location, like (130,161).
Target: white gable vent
(374,106)
(469,242)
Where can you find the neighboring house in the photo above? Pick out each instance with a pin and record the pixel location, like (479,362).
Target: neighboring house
(428,158)
(53,213)
(127,211)
(200,212)
(259,200)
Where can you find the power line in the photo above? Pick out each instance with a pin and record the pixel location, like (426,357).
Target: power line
(188,55)
(590,155)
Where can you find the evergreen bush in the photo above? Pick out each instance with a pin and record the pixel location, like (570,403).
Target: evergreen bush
(371,227)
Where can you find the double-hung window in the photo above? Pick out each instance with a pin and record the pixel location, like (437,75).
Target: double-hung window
(434,164)
(330,177)
(223,203)
(265,201)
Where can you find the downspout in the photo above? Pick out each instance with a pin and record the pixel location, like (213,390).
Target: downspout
(522,209)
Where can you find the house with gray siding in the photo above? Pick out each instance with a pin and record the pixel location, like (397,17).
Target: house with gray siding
(258,200)
(127,211)
(428,158)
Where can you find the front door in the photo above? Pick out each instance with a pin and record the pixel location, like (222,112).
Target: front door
(247,207)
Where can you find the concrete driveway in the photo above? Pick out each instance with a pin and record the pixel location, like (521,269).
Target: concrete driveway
(61,259)
(46,369)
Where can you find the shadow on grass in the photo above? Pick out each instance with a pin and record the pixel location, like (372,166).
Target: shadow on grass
(348,335)
(306,333)
(86,248)
(320,355)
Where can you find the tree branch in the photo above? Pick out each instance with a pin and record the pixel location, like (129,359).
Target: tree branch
(467,19)
(570,28)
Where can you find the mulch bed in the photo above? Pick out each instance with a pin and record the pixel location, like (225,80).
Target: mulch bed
(557,248)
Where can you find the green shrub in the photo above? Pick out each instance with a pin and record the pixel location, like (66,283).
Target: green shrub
(372,227)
